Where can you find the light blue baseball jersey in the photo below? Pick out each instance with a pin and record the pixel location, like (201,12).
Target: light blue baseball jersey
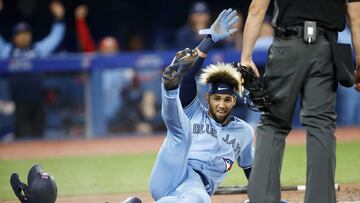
(215,147)
(197,151)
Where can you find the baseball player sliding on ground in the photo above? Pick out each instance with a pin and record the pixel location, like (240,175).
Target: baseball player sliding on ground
(201,144)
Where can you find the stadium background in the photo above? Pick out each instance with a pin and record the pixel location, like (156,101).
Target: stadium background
(85,99)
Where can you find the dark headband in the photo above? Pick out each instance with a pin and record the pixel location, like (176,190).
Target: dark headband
(221,88)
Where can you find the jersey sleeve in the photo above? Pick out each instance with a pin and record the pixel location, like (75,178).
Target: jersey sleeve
(84,37)
(5,48)
(188,87)
(246,158)
(47,45)
(194,108)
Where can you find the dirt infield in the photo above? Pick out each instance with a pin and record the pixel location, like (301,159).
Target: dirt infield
(121,145)
(124,145)
(348,193)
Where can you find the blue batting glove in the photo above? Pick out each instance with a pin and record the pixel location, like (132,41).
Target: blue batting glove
(222,27)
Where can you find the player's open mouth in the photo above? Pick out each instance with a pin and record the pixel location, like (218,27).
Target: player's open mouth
(221,113)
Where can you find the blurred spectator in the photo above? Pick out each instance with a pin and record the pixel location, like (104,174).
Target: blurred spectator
(128,115)
(199,18)
(7,109)
(135,42)
(22,45)
(107,45)
(139,110)
(150,119)
(26,88)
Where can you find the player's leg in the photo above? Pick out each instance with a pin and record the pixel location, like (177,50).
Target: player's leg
(282,83)
(319,119)
(190,190)
(171,163)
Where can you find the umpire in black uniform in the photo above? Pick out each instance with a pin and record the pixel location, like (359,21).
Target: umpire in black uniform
(301,63)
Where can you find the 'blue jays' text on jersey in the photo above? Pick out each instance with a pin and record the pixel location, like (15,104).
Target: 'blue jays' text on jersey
(215,147)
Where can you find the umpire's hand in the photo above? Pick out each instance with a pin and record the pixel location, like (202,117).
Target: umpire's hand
(357,78)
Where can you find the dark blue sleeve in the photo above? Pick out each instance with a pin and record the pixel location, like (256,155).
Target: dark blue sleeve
(188,89)
(188,84)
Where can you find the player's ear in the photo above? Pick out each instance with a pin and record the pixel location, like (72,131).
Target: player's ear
(207,97)
(235,98)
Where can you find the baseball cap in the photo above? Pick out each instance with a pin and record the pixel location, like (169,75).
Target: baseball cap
(21,27)
(199,7)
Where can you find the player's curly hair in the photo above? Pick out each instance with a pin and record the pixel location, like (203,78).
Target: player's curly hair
(222,73)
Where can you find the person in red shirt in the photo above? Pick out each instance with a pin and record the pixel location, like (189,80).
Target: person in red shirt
(107,44)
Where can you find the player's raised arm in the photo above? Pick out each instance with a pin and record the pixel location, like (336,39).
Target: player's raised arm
(5,47)
(57,33)
(219,30)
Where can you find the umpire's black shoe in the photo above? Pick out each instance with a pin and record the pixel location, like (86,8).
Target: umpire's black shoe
(181,63)
(132,200)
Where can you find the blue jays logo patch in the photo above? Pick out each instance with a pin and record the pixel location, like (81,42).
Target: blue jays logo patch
(228,164)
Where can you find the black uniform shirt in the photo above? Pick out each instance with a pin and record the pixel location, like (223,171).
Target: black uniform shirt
(327,13)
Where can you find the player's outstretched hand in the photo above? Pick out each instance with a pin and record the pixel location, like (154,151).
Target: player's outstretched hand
(222,27)
(57,9)
(357,78)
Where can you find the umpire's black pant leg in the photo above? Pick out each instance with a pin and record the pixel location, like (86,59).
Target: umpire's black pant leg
(283,77)
(318,116)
